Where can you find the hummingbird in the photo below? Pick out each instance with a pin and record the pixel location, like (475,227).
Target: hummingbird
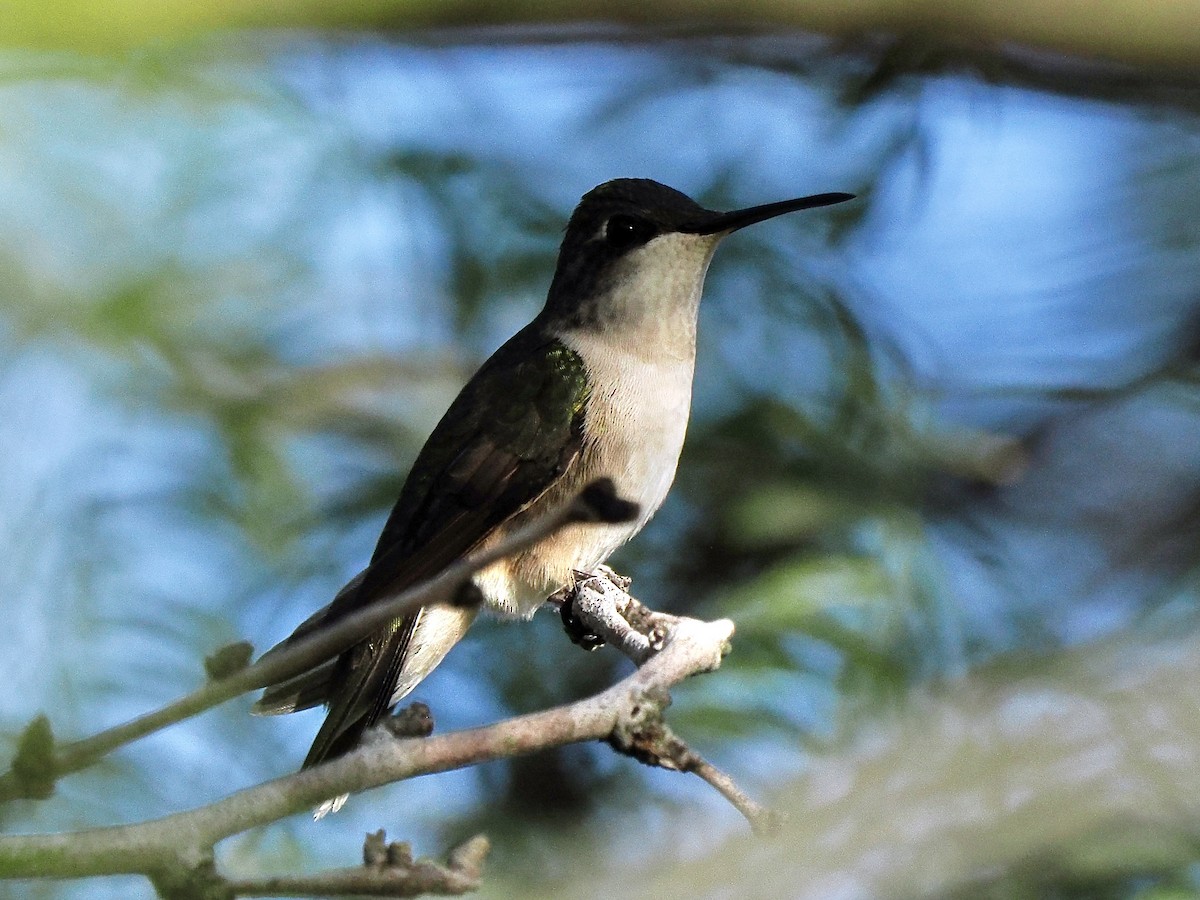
(598,385)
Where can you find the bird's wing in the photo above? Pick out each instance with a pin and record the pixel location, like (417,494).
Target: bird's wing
(510,434)
(513,431)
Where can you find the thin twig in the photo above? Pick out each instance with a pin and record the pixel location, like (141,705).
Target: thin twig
(596,503)
(763,821)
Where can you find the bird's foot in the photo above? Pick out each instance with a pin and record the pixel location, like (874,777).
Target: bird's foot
(600,608)
(580,634)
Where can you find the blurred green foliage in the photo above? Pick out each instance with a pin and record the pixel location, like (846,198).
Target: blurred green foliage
(237,291)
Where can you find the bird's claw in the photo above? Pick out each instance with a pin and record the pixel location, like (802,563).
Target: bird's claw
(579,634)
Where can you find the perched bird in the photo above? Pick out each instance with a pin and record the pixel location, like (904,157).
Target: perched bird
(599,384)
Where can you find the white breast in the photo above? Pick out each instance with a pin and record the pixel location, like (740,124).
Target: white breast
(637,418)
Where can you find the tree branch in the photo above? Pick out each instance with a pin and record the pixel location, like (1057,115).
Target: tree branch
(39,763)
(388,870)
(184,840)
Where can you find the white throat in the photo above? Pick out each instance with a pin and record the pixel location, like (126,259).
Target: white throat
(653,297)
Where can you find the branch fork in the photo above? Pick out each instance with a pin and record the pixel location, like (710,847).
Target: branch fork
(598,610)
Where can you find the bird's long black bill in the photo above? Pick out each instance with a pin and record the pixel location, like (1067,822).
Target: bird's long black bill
(740,218)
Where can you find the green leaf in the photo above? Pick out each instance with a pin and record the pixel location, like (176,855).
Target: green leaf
(34,763)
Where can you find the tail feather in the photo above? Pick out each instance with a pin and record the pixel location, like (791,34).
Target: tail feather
(362,675)
(311,688)
(381,671)
(304,691)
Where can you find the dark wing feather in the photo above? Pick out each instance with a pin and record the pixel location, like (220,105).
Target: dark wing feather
(511,433)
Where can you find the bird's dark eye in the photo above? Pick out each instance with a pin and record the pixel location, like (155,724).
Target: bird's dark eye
(623,232)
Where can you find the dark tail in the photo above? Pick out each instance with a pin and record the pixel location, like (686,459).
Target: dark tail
(364,679)
(374,675)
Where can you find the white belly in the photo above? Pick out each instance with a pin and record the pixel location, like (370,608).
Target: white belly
(637,416)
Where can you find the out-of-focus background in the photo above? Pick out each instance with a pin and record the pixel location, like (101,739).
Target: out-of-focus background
(943,468)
